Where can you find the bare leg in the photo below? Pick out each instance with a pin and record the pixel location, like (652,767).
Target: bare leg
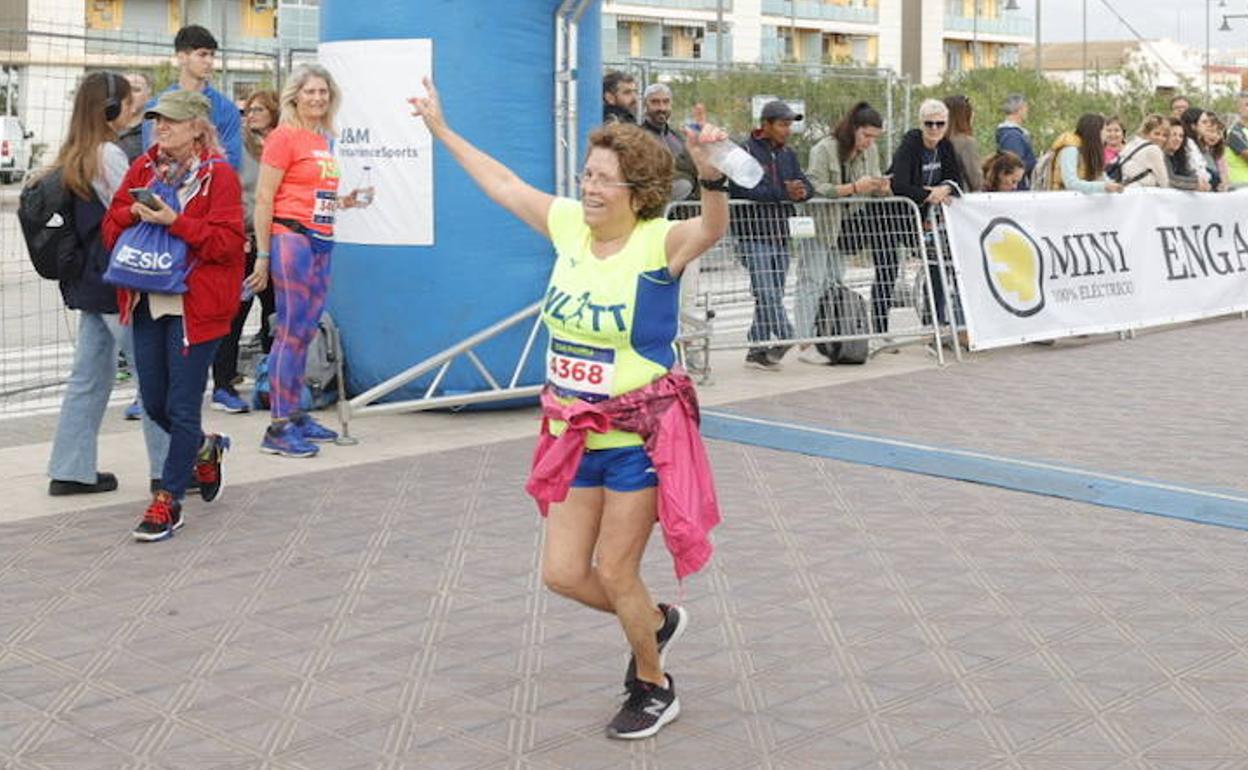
(627,521)
(567,558)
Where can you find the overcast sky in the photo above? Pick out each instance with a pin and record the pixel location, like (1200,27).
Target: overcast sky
(1183,20)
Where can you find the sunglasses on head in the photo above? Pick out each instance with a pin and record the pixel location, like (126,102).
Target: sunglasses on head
(933,124)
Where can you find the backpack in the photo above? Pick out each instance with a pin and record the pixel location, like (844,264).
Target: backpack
(842,312)
(321,375)
(1042,174)
(45,211)
(1114,170)
(320,380)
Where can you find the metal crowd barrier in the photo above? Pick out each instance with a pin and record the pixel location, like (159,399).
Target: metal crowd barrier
(945,280)
(827,272)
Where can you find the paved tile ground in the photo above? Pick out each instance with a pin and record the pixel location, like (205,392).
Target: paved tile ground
(390,614)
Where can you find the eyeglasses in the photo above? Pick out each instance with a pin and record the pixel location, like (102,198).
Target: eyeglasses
(585,181)
(933,124)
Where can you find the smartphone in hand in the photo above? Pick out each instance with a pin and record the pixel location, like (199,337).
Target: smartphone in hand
(145,196)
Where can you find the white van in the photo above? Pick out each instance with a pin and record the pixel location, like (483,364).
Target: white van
(14,149)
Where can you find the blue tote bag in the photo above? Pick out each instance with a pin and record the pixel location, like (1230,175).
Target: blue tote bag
(147,257)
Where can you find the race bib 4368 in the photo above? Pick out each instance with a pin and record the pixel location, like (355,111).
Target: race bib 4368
(580,371)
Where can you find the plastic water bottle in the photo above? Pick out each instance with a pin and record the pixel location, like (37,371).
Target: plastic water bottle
(364,196)
(736,163)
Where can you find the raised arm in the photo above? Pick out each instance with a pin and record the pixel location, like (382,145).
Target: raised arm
(691,238)
(500,183)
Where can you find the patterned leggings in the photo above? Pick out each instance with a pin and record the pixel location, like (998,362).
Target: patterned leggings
(300,282)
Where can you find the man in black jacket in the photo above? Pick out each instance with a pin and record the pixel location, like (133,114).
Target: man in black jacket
(925,169)
(619,98)
(762,230)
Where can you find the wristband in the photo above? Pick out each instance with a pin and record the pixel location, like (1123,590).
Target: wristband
(714,185)
(262,255)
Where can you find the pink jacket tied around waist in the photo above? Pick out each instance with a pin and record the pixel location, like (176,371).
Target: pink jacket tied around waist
(665,415)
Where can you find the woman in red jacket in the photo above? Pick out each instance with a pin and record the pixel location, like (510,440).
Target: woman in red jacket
(176,335)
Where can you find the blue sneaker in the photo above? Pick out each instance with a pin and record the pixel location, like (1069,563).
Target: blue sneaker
(226,400)
(134,411)
(312,430)
(285,439)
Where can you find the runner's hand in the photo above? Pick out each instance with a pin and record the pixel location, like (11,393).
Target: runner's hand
(697,142)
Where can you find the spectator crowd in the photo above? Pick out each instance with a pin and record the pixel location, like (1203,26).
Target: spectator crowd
(1189,149)
(185,207)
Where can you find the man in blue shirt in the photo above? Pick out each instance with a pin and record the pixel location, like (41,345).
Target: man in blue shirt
(762,231)
(1012,137)
(196,50)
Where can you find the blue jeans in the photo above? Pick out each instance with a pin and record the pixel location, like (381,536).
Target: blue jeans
(172,379)
(768,263)
(75,447)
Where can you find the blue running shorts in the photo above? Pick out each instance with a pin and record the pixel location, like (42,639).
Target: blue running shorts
(622,469)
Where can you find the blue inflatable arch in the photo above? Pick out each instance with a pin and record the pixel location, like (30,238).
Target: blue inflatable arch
(494,62)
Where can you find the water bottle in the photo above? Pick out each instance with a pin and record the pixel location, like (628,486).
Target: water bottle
(364,194)
(736,163)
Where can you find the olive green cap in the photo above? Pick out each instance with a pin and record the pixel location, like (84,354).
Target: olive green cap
(180,105)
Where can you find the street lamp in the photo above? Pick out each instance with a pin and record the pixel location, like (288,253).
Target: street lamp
(1208,5)
(1010,5)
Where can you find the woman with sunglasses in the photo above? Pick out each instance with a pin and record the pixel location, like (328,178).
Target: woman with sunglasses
(926,170)
(619,445)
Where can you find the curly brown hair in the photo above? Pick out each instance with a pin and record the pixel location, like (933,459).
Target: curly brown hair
(644,163)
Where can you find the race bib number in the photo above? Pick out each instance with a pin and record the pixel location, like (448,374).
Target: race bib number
(324,208)
(580,371)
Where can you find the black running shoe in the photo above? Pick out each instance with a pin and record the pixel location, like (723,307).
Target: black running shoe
(208,476)
(161,518)
(647,709)
(674,621)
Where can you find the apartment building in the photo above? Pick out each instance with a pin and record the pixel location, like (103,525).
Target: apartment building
(921,38)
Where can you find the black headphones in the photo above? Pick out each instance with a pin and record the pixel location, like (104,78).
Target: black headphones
(112,105)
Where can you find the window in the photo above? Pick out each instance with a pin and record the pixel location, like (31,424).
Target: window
(103,14)
(682,42)
(953,57)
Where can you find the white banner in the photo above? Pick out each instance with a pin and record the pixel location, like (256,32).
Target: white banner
(380,145)
(1037,266)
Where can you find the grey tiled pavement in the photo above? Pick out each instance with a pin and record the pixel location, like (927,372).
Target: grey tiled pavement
(390,615)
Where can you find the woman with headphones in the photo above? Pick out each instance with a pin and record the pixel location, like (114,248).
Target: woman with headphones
(92,167)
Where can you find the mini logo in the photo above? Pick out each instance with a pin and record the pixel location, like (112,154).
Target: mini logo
(1013,266)
(655,709)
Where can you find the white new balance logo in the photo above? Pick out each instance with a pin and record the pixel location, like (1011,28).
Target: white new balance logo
(655,709)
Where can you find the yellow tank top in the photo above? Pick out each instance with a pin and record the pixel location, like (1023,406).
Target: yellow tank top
(612,322)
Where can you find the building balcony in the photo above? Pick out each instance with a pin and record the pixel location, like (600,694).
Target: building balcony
(821,11)
(682,5)
(1010,26)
